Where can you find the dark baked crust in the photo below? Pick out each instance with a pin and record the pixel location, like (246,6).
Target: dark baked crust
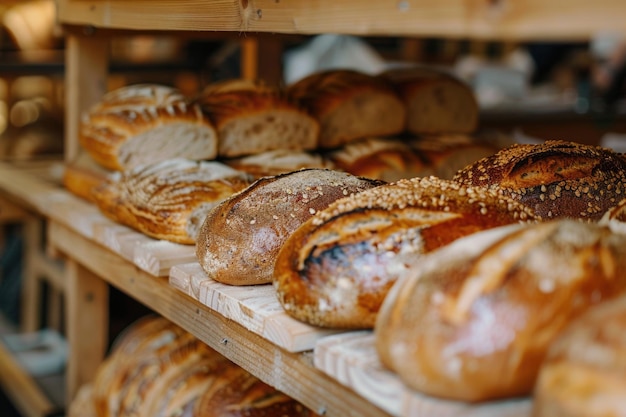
(473,321)
(240,238)
(556,178)
(333,270)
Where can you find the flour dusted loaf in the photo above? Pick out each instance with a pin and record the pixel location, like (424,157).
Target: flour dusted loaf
(436,101)
(83,175)
(584,373)
(556,178)
(279,161)
(169,199)
(334,270)
(349,105)
(473,321)
(146,123)
(240,237)
(252,117)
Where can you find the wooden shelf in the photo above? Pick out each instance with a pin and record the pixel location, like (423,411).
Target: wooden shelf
(482,19)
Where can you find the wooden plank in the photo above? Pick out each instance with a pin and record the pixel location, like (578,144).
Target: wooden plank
(255,307)
(520,19)
(157,257)
(351,358)
(292,373)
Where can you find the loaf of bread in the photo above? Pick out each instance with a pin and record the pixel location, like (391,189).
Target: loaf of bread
(436,101)
(251,118)
(349,105)
(584,373)
(143,124)
(280,161)
(83,175)
(334,270)
(473,321)
(240,237)
(387,159)
(556,179)
(169,199)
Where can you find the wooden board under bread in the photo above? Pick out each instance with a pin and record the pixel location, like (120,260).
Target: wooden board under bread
(351,359)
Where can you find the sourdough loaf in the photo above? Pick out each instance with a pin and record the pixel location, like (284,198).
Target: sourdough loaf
(169,199)
(251,118)
(349,105)
(145,123)
(83,175)
(333,271)
(279,161)
(556,178)
(240,237)
(436,101)
(473,320)
(584,373)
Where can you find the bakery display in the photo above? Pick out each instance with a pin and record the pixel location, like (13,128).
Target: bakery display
(145,123)
(251,118)
(556,178)
(349,105)
(584,371)
(240,237)
(169,199)
(436,101)
(334,270)
(473,320)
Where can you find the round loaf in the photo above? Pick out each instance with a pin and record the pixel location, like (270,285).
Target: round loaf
(349,105)
(146,123)
(240,237)
(556,178)
(333,271)
(584,373)
(169,199)
(473,321)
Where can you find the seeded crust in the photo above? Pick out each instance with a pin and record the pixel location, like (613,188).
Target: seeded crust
(145,123)
(349,105)
(240,238)
(168,200)
(334,270)
(473,321)
(556,179)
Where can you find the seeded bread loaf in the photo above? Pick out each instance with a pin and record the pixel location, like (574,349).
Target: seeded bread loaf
(333,270)
(169,200)
(252,118)
(584,373)
(556,178)
(349,105)
(436,101)
(473,321)
(240,237)
(280,161)
(145,123)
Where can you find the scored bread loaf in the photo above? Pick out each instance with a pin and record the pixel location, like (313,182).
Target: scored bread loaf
(436,101)
(240,237)
(556,178)
(333,271)
(145,123)
(279,161)
(349,105)
(83,175)
(473,320)
(251,117)
(584,373)
(169,199)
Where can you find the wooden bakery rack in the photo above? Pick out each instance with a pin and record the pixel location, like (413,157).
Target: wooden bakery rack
(332,373)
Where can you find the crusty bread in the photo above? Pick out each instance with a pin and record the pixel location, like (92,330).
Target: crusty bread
(387,159)
(279,161)
(436,101)
(349,105)
(556,178)
(169,200)
(333,270)
(584,373)
(146,123)
(252,118)
(240,237)
(473,320)
(83,175)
